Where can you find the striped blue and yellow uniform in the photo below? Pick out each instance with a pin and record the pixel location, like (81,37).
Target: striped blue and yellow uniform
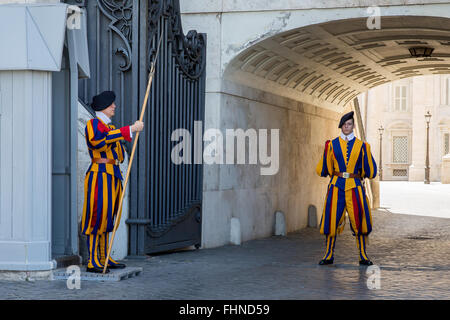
(348,194)
(102,185)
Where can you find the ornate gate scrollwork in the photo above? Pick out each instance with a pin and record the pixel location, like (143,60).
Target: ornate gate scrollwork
(176,101)
(189,51)
(120,14)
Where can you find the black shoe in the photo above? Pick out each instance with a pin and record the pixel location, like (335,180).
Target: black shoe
(116,266)
(96,270)
(325,262)
(365,262)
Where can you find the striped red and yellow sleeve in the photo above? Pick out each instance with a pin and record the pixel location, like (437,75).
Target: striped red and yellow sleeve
(325,165)
(98,136)
(369,166)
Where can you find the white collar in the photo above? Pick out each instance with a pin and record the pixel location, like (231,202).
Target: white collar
(103,117)
(351,136)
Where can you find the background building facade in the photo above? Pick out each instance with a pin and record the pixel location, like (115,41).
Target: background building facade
(400,108)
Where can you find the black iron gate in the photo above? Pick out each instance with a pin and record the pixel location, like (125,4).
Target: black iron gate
(165,198)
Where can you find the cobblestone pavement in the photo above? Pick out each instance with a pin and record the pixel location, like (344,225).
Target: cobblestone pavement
(412,252)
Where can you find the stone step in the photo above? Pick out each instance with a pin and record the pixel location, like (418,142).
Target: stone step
(113,275)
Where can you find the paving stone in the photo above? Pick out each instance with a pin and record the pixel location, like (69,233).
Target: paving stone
(411,251)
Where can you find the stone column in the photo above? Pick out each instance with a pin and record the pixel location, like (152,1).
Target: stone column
(420,102)
(25,170)
(26,144)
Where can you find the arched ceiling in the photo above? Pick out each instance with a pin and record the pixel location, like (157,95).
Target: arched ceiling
(335,61)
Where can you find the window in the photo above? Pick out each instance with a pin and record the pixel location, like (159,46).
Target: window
(400,149)
(400,98)
(446,143)
(399,172)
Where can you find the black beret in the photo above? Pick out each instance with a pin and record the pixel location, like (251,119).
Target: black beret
(103,100)
(346,117)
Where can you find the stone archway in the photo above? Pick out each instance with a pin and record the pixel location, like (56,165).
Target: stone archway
(298,70)
(329,64)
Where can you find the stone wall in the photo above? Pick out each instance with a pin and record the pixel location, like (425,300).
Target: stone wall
(240,191)
(204,6)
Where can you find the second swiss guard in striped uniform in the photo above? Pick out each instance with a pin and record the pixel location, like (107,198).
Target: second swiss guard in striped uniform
(103,181)
(347,160)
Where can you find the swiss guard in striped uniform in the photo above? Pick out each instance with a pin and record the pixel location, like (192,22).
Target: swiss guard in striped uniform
(347,160)
(103,181)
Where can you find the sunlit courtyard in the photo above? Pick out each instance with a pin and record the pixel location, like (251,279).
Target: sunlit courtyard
(416,198)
